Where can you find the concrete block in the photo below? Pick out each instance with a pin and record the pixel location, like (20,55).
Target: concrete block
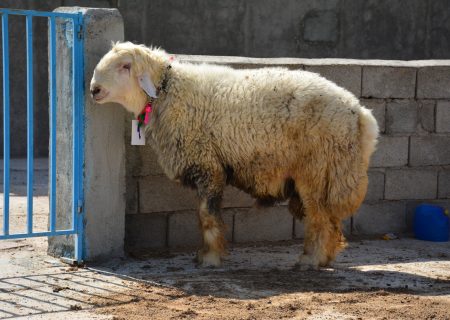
(375,191)
(430,150)
(235,198)
(228,218)
(346,76)
(299,228)
(411,184)
(409,215)
(145,231)
(273,223)
(401,116)
(132,195)
(184,229)
(433,82)
(159,194)
(388,82)
(146,161)
(378,107)
(443,116)
(379,218)
(426,115)
(444,184)
(391,152)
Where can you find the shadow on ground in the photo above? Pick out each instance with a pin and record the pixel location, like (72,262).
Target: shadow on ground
(407,265)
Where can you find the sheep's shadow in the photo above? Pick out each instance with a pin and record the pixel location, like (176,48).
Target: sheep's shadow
(271,274)
(251,284)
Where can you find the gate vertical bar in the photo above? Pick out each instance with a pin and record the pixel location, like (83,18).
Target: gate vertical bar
(52,65)
(29,31)
(78,136)
(5,58)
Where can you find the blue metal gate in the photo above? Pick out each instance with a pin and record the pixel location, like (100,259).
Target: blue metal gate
(76,21)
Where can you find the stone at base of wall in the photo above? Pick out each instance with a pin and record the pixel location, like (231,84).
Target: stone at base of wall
(379,218)
(299,231)
(181,229)
(272,224)
(184,228)
(146,231)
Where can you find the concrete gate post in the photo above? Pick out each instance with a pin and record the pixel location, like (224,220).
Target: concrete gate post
(104,145)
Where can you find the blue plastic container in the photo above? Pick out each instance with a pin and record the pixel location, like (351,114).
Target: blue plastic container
(431,223)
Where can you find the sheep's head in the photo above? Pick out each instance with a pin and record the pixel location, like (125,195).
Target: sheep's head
(116,76)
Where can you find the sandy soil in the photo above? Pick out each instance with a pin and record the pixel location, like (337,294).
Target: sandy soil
(379,304)
(374,279)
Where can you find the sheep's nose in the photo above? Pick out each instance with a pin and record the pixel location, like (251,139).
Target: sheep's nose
(95,90)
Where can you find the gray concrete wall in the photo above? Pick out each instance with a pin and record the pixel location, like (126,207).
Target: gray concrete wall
(411,101)
(363,29)
(104,149)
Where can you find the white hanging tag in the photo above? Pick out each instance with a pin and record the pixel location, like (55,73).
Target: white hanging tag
(136,138)
(147,85)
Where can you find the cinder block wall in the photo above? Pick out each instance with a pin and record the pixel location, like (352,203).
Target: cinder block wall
(411,101)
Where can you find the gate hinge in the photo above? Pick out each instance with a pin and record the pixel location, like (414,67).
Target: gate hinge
(80,31)
(80,206)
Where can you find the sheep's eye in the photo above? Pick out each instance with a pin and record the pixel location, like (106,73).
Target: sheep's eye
(127,66)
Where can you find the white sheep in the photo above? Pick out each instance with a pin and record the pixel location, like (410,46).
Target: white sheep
(274,133)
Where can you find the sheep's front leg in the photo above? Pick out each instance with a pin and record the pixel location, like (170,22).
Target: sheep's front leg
(213,233)
(209,182)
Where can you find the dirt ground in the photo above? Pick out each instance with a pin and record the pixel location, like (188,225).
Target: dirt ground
(372,279)
(380,304)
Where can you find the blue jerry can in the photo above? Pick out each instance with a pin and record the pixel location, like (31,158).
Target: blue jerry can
(431,223)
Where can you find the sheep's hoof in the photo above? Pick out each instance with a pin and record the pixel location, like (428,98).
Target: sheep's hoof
(208,259)
(307,262)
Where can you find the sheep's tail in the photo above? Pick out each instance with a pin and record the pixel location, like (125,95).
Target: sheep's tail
(369,133)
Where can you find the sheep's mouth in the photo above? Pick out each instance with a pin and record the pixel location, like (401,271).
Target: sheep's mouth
(99,98)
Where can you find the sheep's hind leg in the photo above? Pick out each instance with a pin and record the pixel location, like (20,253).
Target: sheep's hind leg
(313,246)
(323,239)
(213,235)
(296,207)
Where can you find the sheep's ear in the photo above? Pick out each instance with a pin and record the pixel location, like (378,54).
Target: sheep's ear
(147,85)
(113,43)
